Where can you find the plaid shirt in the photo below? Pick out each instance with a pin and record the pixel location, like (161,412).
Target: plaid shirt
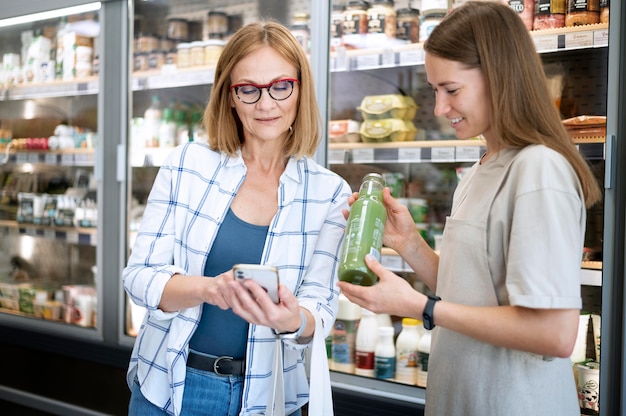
(189,200)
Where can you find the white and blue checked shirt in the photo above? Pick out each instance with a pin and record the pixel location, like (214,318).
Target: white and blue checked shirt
(189,200)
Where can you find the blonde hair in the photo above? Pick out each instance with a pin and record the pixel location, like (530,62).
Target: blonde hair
(490,36)
(221,120)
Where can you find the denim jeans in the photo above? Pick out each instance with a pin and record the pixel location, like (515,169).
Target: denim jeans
(206,393)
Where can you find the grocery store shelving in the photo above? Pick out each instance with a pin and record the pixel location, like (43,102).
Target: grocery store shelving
(70,235)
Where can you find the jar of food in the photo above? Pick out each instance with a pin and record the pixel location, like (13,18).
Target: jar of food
(156,59)
(381,18)
(300,30)
(146,42)
(430,21)
(604,11)
(549,14)
(197,53)
(140,61)
(212,51)
(355,18)
(408,25)
(183,55)
(525,9)
(165,43)
(178,29)
(336,25)
(217,23)
(171,57)
(582,12)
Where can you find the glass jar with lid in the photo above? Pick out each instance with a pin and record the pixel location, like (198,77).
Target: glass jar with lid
(178,29)
(217,24)
(381,18)
(355,18)
(336,25)
(408,25)
(183,55)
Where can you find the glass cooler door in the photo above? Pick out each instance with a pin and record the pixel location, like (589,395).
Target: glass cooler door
(174,51)
(49,194)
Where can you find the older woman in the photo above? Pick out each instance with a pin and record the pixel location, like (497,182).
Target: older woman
(252,195)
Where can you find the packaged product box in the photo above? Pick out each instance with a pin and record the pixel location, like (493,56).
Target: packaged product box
(377,107)
(585,126)
(387,130)
(341,131)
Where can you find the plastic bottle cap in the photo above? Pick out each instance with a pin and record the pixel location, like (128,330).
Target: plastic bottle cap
(410,322)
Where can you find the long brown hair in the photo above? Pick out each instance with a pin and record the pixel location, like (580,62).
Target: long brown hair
(490,36)
(220,119)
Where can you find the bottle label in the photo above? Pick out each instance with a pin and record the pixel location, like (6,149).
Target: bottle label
(344,337)
(365,360)
(385,366)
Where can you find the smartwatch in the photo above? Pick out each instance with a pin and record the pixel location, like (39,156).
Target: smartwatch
(428,319)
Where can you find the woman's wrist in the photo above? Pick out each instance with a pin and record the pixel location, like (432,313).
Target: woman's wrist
(297,333)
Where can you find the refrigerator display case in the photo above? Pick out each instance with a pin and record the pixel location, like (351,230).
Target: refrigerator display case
(371,69)
(48,171)
(134,66)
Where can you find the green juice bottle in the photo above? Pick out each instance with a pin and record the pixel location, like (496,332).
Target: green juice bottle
(364,232)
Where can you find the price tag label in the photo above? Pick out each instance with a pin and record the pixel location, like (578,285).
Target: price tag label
(411,56)
(21,158)
(546,43)
(368,61)
(72,237)
(363,155)
(337,156)
(67,159)
(442,154)
(392,262)
(83,159)
(601,38)
(389,57)
(467,153)
(49,234)
(30,231)
(578,40)
(50,159)
(411,154)
(33,157)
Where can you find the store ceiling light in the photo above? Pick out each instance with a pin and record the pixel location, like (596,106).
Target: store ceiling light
(52,14)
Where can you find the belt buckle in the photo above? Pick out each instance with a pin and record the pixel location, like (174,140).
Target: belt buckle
(217,363)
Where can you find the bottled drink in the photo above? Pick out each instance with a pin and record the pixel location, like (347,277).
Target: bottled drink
(406,352)
(423,355)
(366,340)
(385,354)
(364,232)
(344,335)
(152,122)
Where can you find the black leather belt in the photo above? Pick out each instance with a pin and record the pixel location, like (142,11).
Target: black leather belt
(223,366)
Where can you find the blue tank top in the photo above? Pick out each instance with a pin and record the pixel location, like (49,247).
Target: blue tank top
(221,332)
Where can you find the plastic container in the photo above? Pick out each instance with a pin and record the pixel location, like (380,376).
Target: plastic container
(364,232)
(582,13)
(385,354)
(366,340)
(423,355)
(406,352)
(217,24)
(344,335)
(336,25)
(525,9)
(183,55)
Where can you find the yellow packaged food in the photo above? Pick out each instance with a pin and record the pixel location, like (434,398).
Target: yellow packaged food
(387,130)
(376,107)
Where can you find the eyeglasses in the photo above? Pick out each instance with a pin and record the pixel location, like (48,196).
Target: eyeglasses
(279,90)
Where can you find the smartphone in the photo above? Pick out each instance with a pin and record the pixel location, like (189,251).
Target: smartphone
(264,275)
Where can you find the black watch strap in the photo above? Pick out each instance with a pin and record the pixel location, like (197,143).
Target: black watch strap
(428,319)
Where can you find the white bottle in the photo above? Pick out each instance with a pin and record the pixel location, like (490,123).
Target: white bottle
(344,335)
(152,122)
(423,355)
(366,340)
(384,320)
(406,352)
(385,354)
(167,129)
